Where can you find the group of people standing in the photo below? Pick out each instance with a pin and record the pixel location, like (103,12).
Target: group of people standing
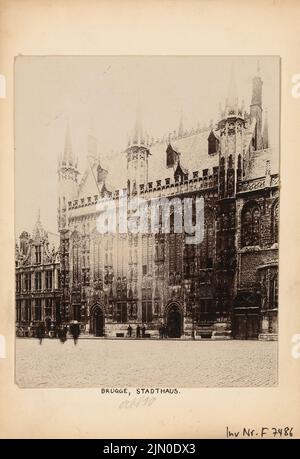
(140,332)
(61,332)
(163,331)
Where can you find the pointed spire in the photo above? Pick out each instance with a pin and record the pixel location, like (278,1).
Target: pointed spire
(232,99)
(266,131)
(138,136)
(68,155)
(180,127)
(257,88)
(38,230)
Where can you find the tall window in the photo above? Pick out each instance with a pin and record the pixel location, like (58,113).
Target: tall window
(27,282)
(208,243)
(250,225)
(274,292)
(38,254)
(122,312)
(275,222)
(27,310)
(222,178)
(230,177)
(146,311)
(206,310)
(48,307)
(19,316)
(49,280)
(38,280)
(75,262)
(18,282)
(77,312)
(38,310)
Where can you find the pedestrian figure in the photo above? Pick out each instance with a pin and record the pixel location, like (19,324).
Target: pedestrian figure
(143,331)
(165,331)
(138,331)
(40,332)
(129,331)
(160,331)
(62,334)
(75,331)
(51,332)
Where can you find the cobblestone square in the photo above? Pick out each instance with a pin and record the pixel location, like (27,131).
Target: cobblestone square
(145,363)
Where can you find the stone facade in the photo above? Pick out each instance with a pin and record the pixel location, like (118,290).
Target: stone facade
(38,295)
(224,287)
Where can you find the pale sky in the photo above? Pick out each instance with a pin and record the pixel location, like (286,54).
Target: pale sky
(102,93)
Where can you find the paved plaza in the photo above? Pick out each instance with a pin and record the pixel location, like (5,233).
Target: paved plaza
(145,363)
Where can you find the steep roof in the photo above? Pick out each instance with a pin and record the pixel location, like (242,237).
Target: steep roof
(193,150)
(258,162)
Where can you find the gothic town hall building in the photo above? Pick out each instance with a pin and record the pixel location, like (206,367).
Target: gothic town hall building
(224,287)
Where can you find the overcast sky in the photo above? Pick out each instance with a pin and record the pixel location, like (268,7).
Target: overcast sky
(102,93)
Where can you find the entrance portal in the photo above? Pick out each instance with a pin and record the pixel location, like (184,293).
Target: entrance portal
(174,321)
(246,319)
(97,319)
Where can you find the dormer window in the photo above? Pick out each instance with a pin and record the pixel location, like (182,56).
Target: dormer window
(212,143)
(101,174)
(172,156)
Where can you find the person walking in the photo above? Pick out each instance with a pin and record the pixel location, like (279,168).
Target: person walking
(129,331)
(75,331)
(40,332)
(138,331)
(143,331)
(160,331)
(62,334)
(165,331)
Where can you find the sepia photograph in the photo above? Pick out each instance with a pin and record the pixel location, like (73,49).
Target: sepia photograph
(146,221)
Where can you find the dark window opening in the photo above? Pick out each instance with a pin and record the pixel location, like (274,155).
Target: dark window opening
(146,311)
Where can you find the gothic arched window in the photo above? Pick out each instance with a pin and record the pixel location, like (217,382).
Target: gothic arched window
(222,177)
(230,177)
(75,256)
(274,292)
(208,243)
(275,222)
(250,225)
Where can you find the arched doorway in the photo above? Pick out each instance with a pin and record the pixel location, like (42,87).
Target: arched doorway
(97,321)
(174,321)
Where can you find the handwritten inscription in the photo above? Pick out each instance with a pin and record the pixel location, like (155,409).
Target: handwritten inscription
(262,432)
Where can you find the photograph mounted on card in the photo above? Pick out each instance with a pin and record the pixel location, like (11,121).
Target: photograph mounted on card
(146,221)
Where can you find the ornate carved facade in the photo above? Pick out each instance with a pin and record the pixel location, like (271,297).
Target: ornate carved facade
(38,294)
(227,285)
